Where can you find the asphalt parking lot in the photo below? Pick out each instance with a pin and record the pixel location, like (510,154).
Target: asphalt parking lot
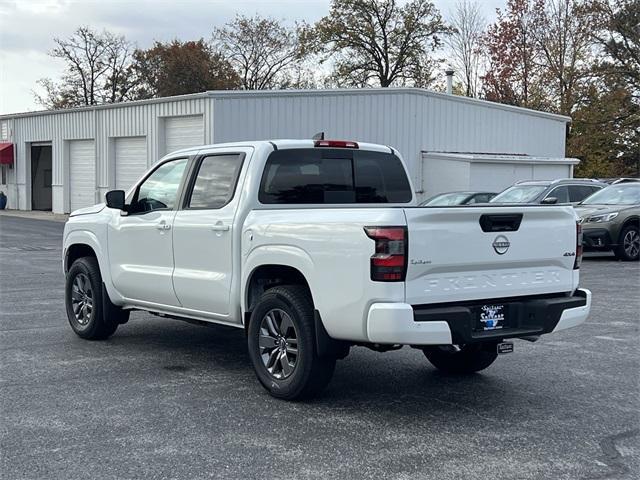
(166,399)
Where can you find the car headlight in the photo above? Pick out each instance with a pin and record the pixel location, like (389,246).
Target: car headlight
(606,217)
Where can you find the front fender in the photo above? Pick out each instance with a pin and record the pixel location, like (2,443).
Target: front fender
(285,255)
(87,237)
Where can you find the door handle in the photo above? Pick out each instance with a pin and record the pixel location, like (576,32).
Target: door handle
(163,226)
(220,228)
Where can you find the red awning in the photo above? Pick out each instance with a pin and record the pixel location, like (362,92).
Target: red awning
(6,153)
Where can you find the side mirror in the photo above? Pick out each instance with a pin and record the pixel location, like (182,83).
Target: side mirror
(549,201)
(115,199)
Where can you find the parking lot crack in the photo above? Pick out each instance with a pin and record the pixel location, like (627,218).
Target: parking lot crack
(612,456)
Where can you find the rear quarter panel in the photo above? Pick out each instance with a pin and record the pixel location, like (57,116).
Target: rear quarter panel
(330,248)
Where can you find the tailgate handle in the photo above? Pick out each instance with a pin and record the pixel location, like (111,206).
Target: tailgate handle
(509,222)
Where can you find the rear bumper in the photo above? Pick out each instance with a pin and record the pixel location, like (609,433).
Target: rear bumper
(400,323)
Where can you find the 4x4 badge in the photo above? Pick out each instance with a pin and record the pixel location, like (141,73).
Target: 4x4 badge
(501,244)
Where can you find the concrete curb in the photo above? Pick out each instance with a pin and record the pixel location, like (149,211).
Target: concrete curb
(35,215)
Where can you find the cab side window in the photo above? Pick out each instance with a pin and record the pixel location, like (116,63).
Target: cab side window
(215,182)
(159,191)
(561,193)
(577,193)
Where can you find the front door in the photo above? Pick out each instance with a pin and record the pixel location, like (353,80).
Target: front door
(203,234)
(140,243)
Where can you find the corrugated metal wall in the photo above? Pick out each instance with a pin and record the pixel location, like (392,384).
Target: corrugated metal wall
(101,124)
(411,121)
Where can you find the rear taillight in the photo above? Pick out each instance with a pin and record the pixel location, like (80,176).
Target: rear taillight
(335,143)
(389,262)
(576,264)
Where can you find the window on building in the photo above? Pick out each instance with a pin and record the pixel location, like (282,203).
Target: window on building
(3,169)
(216,181)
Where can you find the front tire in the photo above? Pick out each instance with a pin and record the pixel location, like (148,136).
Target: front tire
(282,346)
(90,312)
(628,249)
(462,360)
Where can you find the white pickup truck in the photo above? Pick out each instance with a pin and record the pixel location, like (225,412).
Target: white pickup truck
(313,247)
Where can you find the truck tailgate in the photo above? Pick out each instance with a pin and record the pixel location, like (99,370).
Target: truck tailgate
(471,253)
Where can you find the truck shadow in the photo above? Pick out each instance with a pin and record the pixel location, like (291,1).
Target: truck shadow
(401,384)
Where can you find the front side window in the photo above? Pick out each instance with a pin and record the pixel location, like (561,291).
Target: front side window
(333,176)
(561,193)
(160,189)
(215,181)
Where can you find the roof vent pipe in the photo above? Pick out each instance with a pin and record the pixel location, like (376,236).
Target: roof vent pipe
(449,73)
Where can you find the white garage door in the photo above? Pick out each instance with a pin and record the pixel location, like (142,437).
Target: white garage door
(131,160)
(183,132)
(82,176)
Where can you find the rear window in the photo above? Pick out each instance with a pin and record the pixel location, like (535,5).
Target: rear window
(333,176)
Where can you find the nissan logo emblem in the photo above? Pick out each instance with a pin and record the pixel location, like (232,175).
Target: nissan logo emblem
(501,244)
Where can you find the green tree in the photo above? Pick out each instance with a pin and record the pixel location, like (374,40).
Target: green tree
(178,68)
(380,42)
(615,27)
(606,128)
(605,134)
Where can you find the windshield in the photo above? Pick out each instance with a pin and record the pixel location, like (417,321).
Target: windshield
(620,194)
(445,199)
(519,194)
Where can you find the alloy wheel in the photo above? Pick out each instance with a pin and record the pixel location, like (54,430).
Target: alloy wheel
(631,243)
(82,299)
(278,343)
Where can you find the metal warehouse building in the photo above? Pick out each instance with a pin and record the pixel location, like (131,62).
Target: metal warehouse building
(64,160)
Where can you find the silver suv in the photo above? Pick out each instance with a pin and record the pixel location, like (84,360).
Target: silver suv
(549,192)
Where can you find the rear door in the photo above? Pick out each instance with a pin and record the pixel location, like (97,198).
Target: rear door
(472,253)
(203,232)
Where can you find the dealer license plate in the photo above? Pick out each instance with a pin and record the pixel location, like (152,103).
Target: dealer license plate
(492,317)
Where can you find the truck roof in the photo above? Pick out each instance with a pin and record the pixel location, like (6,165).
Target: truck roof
(283,144)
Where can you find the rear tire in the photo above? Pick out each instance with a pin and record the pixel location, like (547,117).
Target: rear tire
(282,345)
(466,359)
(90,312)
(628,248)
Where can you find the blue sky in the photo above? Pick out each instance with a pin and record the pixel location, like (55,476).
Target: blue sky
(27,29)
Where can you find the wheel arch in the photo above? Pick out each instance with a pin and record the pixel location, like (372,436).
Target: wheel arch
(76,251)
(266,276)
(79,243)
(633,219)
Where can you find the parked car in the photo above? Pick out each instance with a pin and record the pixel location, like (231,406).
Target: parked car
(549,192)
(610,220)
(457,198)
(314,247)
(616,180)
